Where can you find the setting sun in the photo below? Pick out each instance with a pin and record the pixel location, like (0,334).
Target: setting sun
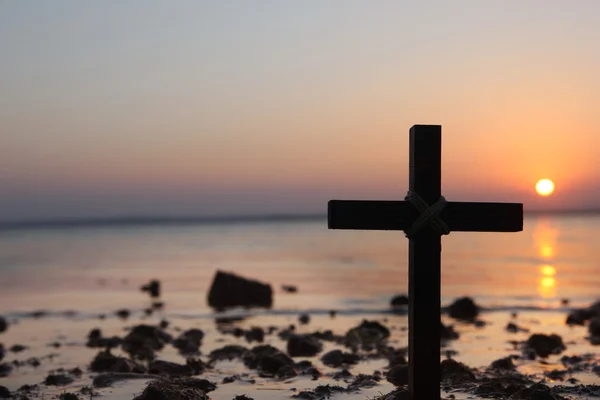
(544,187)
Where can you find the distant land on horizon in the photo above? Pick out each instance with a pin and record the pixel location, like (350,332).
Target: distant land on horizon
(147,220)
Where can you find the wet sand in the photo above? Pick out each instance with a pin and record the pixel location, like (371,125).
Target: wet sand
(58,340)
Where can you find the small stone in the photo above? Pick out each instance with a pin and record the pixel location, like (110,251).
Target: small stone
(303,346)
(463,308)
(255,334)
(544,345)
(337,358)
(3,324)
(17,348)
(398,375)
(304,319)
(153,288)
(5,370)
(399,301)
(170,369)
(505,363)
(58,380)
(123,313)
(289,288)
(594,327)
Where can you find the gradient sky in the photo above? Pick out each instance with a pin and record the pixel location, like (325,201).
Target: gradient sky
(196,107)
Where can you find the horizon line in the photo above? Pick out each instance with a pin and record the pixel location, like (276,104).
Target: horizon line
(165,220)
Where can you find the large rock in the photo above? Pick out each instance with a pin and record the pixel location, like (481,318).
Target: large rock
(229,290)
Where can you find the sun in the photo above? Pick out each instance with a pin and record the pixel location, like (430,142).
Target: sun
(544,187)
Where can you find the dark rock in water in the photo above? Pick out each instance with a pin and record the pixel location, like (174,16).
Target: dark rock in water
(197,365)
(505,363)
(4,392)
(304,319)
(578,317)
(255,334)
(143,340)
(286,372)
(123,313)
(103,361)
(342,375)
(27,388)
(125,365)
(455,372)
(168,390)
(242,397)
(95,339)
(463,308)
(537,391)
(594,327)
(108,379)
(158,305)
(58,380)
(332,313)
(303,346)
(68,396)
(367,335)
(396,357)
(164,324)
(337,358)
(152,287)
(320,392)
(189,341)
(448,332)
(2,351)
(17,348)
(229,290)
(399,301)
(289,288)
(229,352)
(364,381)
(514,328)
(544,345)
(266,358)
(3,324)
(170,369)
(5,370)
(398,375)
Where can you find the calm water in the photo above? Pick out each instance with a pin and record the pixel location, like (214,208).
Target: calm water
(99,269)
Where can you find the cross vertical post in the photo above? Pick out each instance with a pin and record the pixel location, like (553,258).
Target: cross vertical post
(424,267)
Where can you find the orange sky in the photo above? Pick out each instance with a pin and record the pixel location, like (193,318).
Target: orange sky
(207,108)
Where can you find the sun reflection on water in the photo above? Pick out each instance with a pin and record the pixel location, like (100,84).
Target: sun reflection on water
(545,236)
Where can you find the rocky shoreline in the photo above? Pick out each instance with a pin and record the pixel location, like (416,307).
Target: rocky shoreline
(303,357)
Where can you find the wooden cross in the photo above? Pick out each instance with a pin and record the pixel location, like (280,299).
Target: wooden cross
(424,225)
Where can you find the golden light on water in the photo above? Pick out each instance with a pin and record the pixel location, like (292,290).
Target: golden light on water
(544,187)
(548,270)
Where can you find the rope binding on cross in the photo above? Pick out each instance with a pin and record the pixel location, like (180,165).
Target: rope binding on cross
(429,215)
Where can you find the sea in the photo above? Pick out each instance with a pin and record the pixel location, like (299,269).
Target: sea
(95,267)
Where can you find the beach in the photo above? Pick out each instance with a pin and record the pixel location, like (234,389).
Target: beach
(60,285)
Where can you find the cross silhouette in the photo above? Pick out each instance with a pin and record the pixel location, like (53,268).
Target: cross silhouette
(424,216)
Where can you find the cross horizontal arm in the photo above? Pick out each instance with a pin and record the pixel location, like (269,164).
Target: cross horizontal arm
(399,215)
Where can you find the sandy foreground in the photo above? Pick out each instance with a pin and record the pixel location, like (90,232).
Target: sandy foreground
(56,344)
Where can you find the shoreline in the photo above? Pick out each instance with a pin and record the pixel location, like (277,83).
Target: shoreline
(60,342)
